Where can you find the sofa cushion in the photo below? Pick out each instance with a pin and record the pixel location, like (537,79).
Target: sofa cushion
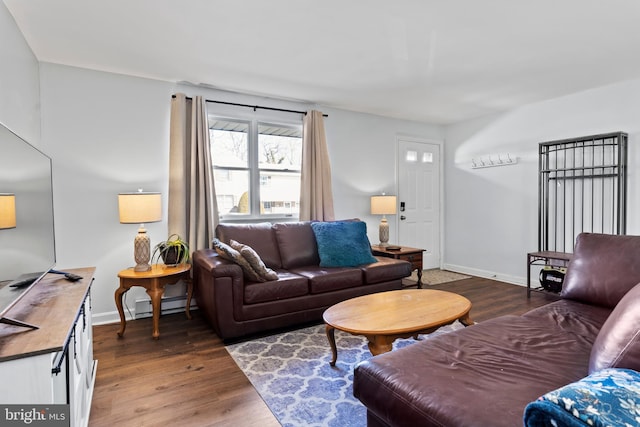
(259,236)
(618,342)
(254,261)
(297,244)
(342,243)
(231,254)
(287,286)
(482,375)
(330,279)
(385,269)
(602,269)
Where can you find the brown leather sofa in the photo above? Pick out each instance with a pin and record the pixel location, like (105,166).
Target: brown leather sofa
(486,374)
(236,307)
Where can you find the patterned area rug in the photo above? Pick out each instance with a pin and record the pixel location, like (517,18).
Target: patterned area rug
(436,276)
(291,372)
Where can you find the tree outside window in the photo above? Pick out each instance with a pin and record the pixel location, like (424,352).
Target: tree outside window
(256,168)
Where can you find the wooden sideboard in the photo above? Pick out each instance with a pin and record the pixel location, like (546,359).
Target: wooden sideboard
(52,364)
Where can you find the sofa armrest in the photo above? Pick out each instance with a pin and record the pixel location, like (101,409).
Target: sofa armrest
(209,261)
(214,281)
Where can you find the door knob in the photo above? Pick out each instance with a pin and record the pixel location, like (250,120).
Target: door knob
(402,217)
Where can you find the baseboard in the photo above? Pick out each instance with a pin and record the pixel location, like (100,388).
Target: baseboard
(514,280)
(168,305)
(142,309)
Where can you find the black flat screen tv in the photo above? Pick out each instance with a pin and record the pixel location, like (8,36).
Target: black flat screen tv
(27,245)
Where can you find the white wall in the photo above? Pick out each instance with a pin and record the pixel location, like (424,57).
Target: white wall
(19,82)
(363,155)
(106,134)
(492,213)
(109,133)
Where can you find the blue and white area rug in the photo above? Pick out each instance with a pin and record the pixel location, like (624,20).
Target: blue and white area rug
(291,372)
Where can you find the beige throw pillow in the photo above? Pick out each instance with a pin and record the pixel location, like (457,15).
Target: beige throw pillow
(254,261)
(229,253)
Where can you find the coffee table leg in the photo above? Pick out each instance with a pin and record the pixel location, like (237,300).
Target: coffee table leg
(466,320)
(331,336)
(379,344)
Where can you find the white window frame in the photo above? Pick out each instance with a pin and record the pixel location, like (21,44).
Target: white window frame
(253,120)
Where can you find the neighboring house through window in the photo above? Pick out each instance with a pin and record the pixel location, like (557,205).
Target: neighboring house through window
(256,168)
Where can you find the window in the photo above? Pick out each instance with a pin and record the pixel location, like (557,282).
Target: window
(256,168)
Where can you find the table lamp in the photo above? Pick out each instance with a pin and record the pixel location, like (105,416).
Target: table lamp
(7,210)
(139,208)
(383,205)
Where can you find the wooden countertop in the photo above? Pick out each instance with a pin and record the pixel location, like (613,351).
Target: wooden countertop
(52,305)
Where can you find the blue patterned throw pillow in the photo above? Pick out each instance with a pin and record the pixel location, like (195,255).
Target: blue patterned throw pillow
(610,397)
(342,243)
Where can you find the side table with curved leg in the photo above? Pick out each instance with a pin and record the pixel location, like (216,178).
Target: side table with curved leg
(154,282)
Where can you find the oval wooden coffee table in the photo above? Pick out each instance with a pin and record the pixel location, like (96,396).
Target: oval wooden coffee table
(383,317)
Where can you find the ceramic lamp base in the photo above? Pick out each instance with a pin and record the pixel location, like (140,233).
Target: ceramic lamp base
(142,251)
(383,232)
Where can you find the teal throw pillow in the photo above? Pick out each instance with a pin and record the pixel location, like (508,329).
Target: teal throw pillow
(342,243)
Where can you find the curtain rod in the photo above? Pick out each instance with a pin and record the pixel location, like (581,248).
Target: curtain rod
(255,107)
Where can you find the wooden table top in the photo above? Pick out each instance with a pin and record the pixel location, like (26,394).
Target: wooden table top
(52,304)
(397,312)
(403,250)
(157,270)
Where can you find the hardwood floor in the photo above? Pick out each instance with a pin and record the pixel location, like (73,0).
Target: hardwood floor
(187,378)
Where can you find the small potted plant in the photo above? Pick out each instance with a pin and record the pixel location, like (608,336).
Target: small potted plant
(173,251)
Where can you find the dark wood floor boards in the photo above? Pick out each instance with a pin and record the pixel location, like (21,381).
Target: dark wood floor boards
(187,378)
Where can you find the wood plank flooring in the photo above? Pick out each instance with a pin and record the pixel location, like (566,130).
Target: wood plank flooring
(187,378)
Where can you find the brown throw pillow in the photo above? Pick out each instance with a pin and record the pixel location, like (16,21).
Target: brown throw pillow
(231,254)
(618,342)
(254,261)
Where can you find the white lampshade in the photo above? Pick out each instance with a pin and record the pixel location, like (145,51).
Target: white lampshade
(140,207)
(7,210)
(383,205)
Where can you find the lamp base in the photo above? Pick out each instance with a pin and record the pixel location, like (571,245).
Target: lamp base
(383,232)
(142,251)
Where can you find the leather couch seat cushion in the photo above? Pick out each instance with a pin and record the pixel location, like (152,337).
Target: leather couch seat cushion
(572,316)
(618,342)
(330,279)
(287,286)
(436,382)
(385,269)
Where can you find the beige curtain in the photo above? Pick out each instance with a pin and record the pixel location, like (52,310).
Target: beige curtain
(193,211)
(316,195)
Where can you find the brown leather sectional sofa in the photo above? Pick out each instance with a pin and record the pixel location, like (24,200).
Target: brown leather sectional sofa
(235,307)
(486,374)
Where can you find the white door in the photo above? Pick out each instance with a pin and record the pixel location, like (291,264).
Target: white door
(419,198)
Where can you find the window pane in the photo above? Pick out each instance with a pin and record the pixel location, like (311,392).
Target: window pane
(229,143)
(232,191)
(279,192)
(279,147)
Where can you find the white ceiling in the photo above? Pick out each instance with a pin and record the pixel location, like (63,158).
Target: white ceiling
(430,60)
